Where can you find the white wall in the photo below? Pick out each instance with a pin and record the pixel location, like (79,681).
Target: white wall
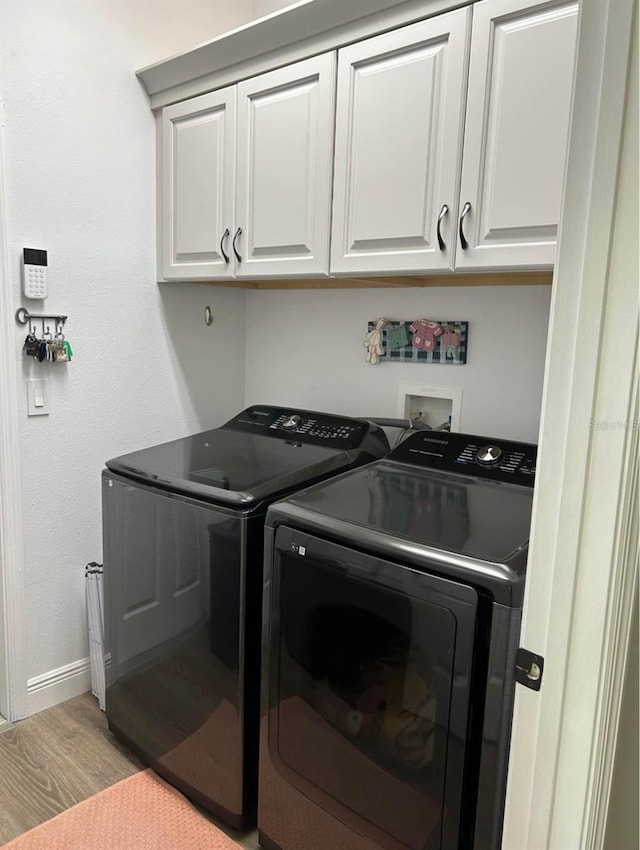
(80,182)
(158,29)
(79,162)
(266,7)
(304,348)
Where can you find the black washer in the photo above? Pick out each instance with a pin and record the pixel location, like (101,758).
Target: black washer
(183,526)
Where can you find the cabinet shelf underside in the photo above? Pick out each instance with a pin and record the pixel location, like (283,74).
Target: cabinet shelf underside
(537,278)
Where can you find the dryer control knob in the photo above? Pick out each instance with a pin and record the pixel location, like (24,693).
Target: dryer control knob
(488,455)
(291,422)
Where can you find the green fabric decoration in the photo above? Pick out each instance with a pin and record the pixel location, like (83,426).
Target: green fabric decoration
(397,336)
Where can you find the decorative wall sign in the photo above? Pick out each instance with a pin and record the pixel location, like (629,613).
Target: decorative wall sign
(423,341)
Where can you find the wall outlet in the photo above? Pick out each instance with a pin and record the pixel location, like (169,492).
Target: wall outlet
(436,406)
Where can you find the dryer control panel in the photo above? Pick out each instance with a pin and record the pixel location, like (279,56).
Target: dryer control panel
(304,426)
(466,454)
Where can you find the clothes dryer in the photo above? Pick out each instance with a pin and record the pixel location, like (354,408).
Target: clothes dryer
(393,598)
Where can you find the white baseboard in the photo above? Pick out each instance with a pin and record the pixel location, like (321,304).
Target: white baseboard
(58,685)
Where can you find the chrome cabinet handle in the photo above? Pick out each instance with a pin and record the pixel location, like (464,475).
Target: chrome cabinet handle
(441,242)
(222,251)
(233,244)
(466,209)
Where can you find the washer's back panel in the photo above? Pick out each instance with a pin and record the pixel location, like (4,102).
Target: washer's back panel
(480,457)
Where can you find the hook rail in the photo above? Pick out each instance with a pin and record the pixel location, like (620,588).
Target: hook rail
(23,316)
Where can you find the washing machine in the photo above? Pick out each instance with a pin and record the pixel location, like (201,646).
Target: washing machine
(183,527)
(392,608)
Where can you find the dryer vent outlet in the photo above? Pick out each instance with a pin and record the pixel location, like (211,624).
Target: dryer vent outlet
(438,407)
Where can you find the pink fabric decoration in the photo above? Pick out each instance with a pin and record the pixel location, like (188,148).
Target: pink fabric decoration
(425,334)
(451,339)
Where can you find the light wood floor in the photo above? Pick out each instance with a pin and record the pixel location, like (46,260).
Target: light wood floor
(57,758)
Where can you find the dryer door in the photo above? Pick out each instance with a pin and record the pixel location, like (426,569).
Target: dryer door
(370,670)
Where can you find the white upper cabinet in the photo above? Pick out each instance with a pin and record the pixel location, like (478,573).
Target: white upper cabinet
(517,124)
(449,152)
(250,198)
(400,150)
(197,186)
(400,105)
(284,170)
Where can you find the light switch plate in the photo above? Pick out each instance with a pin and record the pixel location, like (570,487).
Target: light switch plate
(37,397)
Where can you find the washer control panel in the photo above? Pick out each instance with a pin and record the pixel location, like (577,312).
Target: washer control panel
(482,457)
(303,426)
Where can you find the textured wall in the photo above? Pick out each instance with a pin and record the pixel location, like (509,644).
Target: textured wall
(80,182)
(266,7)
(305,349)
(79,142)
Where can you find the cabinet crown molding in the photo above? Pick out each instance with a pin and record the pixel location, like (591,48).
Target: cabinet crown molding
(299,31)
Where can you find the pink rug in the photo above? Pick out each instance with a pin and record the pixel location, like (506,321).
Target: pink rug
(139,813)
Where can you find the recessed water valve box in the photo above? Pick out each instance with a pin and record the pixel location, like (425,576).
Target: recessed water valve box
(436,406)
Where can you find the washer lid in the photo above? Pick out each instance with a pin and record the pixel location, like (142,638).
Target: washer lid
(231,466)
(483,520)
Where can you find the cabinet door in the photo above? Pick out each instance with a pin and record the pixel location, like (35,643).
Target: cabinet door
(283,192)
(398,137)
(517,124)
(198,165)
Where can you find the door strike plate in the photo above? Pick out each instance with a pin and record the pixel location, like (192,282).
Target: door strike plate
(529,667)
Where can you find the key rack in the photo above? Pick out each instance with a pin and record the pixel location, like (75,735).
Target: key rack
(23,316)
(52,349)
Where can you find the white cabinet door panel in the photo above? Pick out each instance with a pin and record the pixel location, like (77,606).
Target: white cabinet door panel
(285,138)
(398,139)
(519,107)
(198,153)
